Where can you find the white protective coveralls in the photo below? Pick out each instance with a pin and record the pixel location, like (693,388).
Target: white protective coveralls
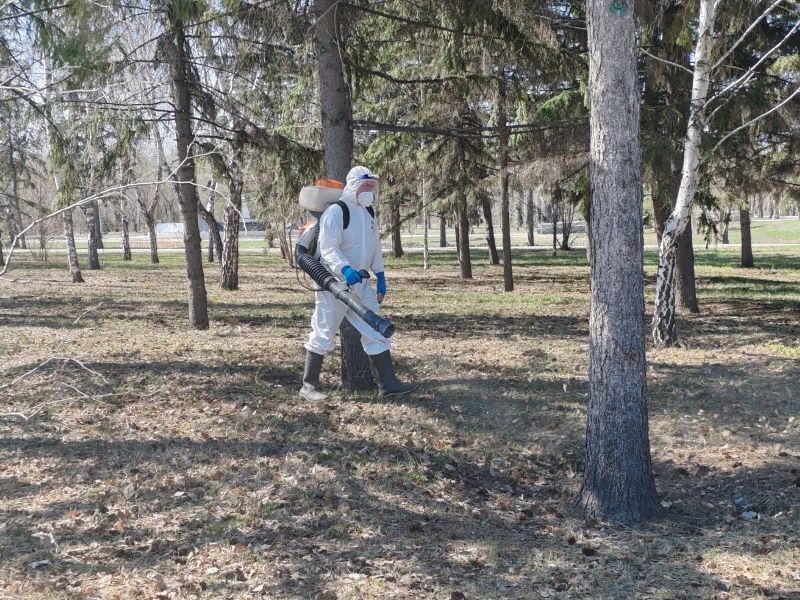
(358,246)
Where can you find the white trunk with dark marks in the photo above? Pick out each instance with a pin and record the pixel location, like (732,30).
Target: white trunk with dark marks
(126,240)
(212,200)
(91,236)
(229,273)
(72,253)
(664,328)
(618,481)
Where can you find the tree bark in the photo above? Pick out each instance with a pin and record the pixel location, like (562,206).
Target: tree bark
(212,200)
(664,328)
(72,253)
(334,91)
(554,218)
(464,259)
(337,133)
(494,259)
(442,231)
(151,230)
(15,216)
(2,260)
(725,225)
(426,224)
(397,242)
(186,176)
(126,240)
(229,275)
(618,481)
(98,225)
(214,237)
(91,233)
(747,246)
(530,217)
(685,288)
(502,156)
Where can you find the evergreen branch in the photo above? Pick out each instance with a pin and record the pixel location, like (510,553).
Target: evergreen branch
(753,25)
(756,119)
(740,81)
(667,62)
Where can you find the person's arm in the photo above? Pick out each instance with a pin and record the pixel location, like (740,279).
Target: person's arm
(331,225)
(377,257)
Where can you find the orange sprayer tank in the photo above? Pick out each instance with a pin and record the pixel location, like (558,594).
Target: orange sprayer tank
(315,198)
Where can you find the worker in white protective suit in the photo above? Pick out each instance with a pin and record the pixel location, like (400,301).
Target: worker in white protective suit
(349,241)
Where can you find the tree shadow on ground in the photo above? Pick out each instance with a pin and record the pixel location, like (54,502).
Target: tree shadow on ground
(491,325)
(68,313)
(457,524)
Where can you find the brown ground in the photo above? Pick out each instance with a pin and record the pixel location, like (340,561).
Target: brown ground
(180,464)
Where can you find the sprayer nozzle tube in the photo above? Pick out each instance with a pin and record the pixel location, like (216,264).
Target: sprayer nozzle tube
(325,279)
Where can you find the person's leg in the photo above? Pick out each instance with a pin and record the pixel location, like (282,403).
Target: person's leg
(377,347)
(328,315)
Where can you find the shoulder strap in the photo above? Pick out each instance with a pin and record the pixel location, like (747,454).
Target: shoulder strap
(345,213)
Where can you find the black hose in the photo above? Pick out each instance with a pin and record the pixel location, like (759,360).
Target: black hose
(326,281)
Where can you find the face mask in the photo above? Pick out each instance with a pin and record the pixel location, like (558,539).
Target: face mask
(365,199)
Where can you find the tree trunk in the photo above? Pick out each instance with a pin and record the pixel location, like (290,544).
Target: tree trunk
(490,241)
(664,327)
(186,177)
(337,134)
(530,217)
(426,224)
(442,231)
(334,91)
(151,229)
(464,258)
(685,288)
(618,481)
(505,209)
(91,232)
(397,242)
(126,240)
(229,275)
(98,226)
(214,237)
(15,216)
(72,253)
(725,225)
(554,218)
(2,260)
(566,226)
(747,246)
(212,200)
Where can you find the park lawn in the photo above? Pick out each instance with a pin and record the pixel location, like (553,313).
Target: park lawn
(763,231)
(176,464)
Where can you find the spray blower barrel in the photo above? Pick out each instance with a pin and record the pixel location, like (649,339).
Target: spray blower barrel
(325,280)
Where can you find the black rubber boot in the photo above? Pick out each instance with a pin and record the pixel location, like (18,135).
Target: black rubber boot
(311,378)
(387,381)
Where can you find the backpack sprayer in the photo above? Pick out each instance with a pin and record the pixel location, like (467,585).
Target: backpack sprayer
(315,199)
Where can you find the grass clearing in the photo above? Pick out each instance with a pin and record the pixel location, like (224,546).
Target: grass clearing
(194,470)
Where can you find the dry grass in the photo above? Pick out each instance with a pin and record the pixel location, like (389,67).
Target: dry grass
(193,470)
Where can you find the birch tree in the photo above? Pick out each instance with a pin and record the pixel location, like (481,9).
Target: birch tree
(704,105)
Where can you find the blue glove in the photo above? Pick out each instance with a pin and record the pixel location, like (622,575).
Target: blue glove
(381,283)
(351,276)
